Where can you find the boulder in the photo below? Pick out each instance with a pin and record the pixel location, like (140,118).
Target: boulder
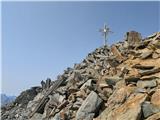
(89,107)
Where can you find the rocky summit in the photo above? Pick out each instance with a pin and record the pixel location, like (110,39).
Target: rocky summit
(117,82)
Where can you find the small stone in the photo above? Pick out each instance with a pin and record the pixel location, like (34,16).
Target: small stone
(16,115)
(72,89)
(149,109)
(155,55)
(36,116)
(102,85)
(87,84)
(140,90)
(154,117)
(131,79)
(72,98)
(81,94)
(146,84)
(76,105)
(112,80)
(146,54)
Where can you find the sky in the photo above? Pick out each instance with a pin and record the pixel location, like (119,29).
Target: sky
(41,39)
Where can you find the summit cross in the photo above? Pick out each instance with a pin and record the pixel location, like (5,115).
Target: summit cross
(105,31)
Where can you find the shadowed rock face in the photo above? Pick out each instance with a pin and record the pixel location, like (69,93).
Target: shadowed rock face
(121,82)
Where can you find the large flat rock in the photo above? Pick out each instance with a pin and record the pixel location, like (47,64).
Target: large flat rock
(130,110)
(89,107)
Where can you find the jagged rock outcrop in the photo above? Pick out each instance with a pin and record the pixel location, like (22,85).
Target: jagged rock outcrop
(120,82)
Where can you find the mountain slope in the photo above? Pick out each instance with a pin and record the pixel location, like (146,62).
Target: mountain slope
(118,82)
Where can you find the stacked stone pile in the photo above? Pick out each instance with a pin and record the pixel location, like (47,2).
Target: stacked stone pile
(120,82)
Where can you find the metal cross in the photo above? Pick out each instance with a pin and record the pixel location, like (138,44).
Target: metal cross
(105,31)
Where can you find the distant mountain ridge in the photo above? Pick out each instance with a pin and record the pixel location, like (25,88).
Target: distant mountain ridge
(5,99)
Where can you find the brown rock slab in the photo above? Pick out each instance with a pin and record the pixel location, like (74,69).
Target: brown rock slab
(130,110)
(116,53)
(155,99)
(120,95)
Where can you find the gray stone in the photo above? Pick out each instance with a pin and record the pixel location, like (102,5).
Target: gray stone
(149,109)
(87,84)
(131,79)
(56,99)
(113,62)
(146,54)
(140,90)
(143,67)
(146,84)
(149,72)
(36,116)
(74,79)
(89,107)
(112,80)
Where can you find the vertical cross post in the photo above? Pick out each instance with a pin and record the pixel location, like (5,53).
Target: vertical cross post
(105,31)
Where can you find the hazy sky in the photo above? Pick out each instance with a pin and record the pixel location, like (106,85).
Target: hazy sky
(41,39)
